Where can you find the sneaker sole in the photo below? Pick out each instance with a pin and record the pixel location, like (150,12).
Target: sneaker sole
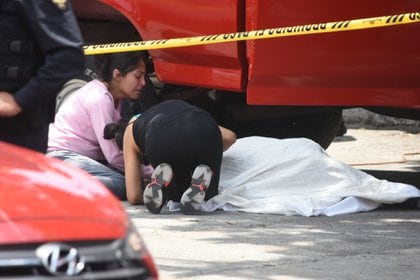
(153,196)
(195,194)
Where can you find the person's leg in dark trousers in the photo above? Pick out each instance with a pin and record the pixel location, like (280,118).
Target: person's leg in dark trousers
(207,148)
(200,143)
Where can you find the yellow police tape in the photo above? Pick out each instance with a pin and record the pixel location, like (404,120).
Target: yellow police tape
(317,28)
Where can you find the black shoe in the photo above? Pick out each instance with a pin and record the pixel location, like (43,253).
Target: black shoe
(153,196)
(195,194)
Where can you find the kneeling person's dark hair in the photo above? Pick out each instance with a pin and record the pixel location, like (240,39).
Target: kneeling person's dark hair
(116,130)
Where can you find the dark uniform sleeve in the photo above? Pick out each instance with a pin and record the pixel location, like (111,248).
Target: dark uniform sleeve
(57,33)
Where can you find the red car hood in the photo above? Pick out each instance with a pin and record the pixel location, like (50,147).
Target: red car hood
(43,199)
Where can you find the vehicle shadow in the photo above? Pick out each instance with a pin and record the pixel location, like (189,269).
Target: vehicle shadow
(344,138)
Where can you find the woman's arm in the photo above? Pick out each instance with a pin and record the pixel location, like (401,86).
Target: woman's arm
(132,155)
(102,112)
(228,137)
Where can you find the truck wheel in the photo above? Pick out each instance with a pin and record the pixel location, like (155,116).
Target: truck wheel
(320,127)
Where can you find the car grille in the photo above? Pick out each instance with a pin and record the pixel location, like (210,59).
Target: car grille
(103,260)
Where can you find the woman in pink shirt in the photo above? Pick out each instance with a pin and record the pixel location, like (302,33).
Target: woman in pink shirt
(77,134)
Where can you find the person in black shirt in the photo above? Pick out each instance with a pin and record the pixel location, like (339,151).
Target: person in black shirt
(182,142)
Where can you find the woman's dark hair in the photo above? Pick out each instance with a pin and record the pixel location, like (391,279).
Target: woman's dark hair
(129,108)
(124,62)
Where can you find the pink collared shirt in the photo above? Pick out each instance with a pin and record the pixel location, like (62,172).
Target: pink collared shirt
(79,124)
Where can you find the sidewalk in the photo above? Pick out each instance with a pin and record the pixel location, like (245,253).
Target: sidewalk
(382,244)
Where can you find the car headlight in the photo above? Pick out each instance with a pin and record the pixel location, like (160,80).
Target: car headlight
(133,248)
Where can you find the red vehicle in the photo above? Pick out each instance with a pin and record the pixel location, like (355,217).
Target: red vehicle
(58,222)
(283,87)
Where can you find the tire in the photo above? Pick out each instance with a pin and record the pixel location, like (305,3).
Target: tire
(321,127)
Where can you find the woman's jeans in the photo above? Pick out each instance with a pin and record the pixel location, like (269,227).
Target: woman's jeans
(111,178)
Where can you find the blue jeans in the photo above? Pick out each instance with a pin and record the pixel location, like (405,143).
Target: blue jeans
(112,179)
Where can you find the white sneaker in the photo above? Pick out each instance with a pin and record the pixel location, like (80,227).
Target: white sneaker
(195,194)
(153,196)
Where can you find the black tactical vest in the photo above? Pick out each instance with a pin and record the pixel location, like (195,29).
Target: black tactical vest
(19,59)
(19,55)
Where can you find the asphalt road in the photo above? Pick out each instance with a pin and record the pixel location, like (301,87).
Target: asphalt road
(381,244)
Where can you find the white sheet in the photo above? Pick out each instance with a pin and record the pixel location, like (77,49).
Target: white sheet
(297,177)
